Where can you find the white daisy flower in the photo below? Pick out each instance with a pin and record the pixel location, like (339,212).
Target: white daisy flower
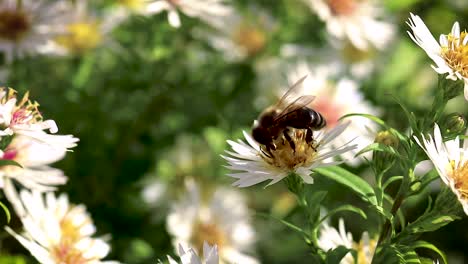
(24,118)
(83,31)
(56,231)
(450,162)
(239,37)
(334,99)
(331,238)
(292,151)
(449,56)
(203,9)
(356,21)
(210,255)
(35,174)
(219,219)
(28,28)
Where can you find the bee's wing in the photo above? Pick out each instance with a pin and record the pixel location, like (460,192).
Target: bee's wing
(292,94)
(297,104)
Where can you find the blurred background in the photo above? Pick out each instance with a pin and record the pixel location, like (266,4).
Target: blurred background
(153,106)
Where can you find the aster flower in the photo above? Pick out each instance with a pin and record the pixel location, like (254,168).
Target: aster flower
(334,98)
(28,28)
(220,218)
(56,231)
(449,56)
(83,31)
(203,9)
(35,174)
(210,255)
(292,151)
(239,36)
(450,161)
(356,21)
(331,238)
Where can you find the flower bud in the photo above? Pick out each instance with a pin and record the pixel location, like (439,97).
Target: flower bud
(387,138)
(384,159)
(454,125)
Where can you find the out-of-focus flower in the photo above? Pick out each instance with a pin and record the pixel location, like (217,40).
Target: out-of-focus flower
(220,219)
(331,238)
(240,37)
(210,255)
(450,55)
(28,28)
(56,231)
(34,157)
(83,31)
(450,162)
(354,20)
(203,9)
(334,99)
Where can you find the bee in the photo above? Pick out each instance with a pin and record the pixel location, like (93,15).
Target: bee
(291,111)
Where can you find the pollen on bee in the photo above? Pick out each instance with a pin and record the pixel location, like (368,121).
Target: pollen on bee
(292,150)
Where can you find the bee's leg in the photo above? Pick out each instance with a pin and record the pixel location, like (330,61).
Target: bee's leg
(289,139)
(309,135)
(310,138)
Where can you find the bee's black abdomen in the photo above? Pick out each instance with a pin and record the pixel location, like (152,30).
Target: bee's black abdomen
(317,121)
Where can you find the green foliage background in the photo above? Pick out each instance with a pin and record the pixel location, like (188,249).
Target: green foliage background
(129,105)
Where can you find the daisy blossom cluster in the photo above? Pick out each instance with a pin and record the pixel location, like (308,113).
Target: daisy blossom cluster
(30,141)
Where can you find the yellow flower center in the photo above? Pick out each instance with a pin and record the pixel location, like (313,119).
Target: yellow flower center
(251,38)
(209,232)
(460,177)
(365,251)
(342,7)
(456,54)
(14,24)
(81,37)
(352,54)
(65,251)
(291,153)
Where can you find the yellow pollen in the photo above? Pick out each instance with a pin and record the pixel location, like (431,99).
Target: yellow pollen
(455,54)
(342,7)
(209,232)
(251,38)
(365,251)
(287,158)
(14,24)
(81,37)
(460,177)
(65,251)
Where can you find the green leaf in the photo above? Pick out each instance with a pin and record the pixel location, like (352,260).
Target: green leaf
(427,245)
(380,148)
(390,180)
(409,115)
(342,208)
(9,163)
(313,203)
(7,212)
(287,224)
(336,255)
(350,180)
(446,209)
(393,253)
(368,116)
